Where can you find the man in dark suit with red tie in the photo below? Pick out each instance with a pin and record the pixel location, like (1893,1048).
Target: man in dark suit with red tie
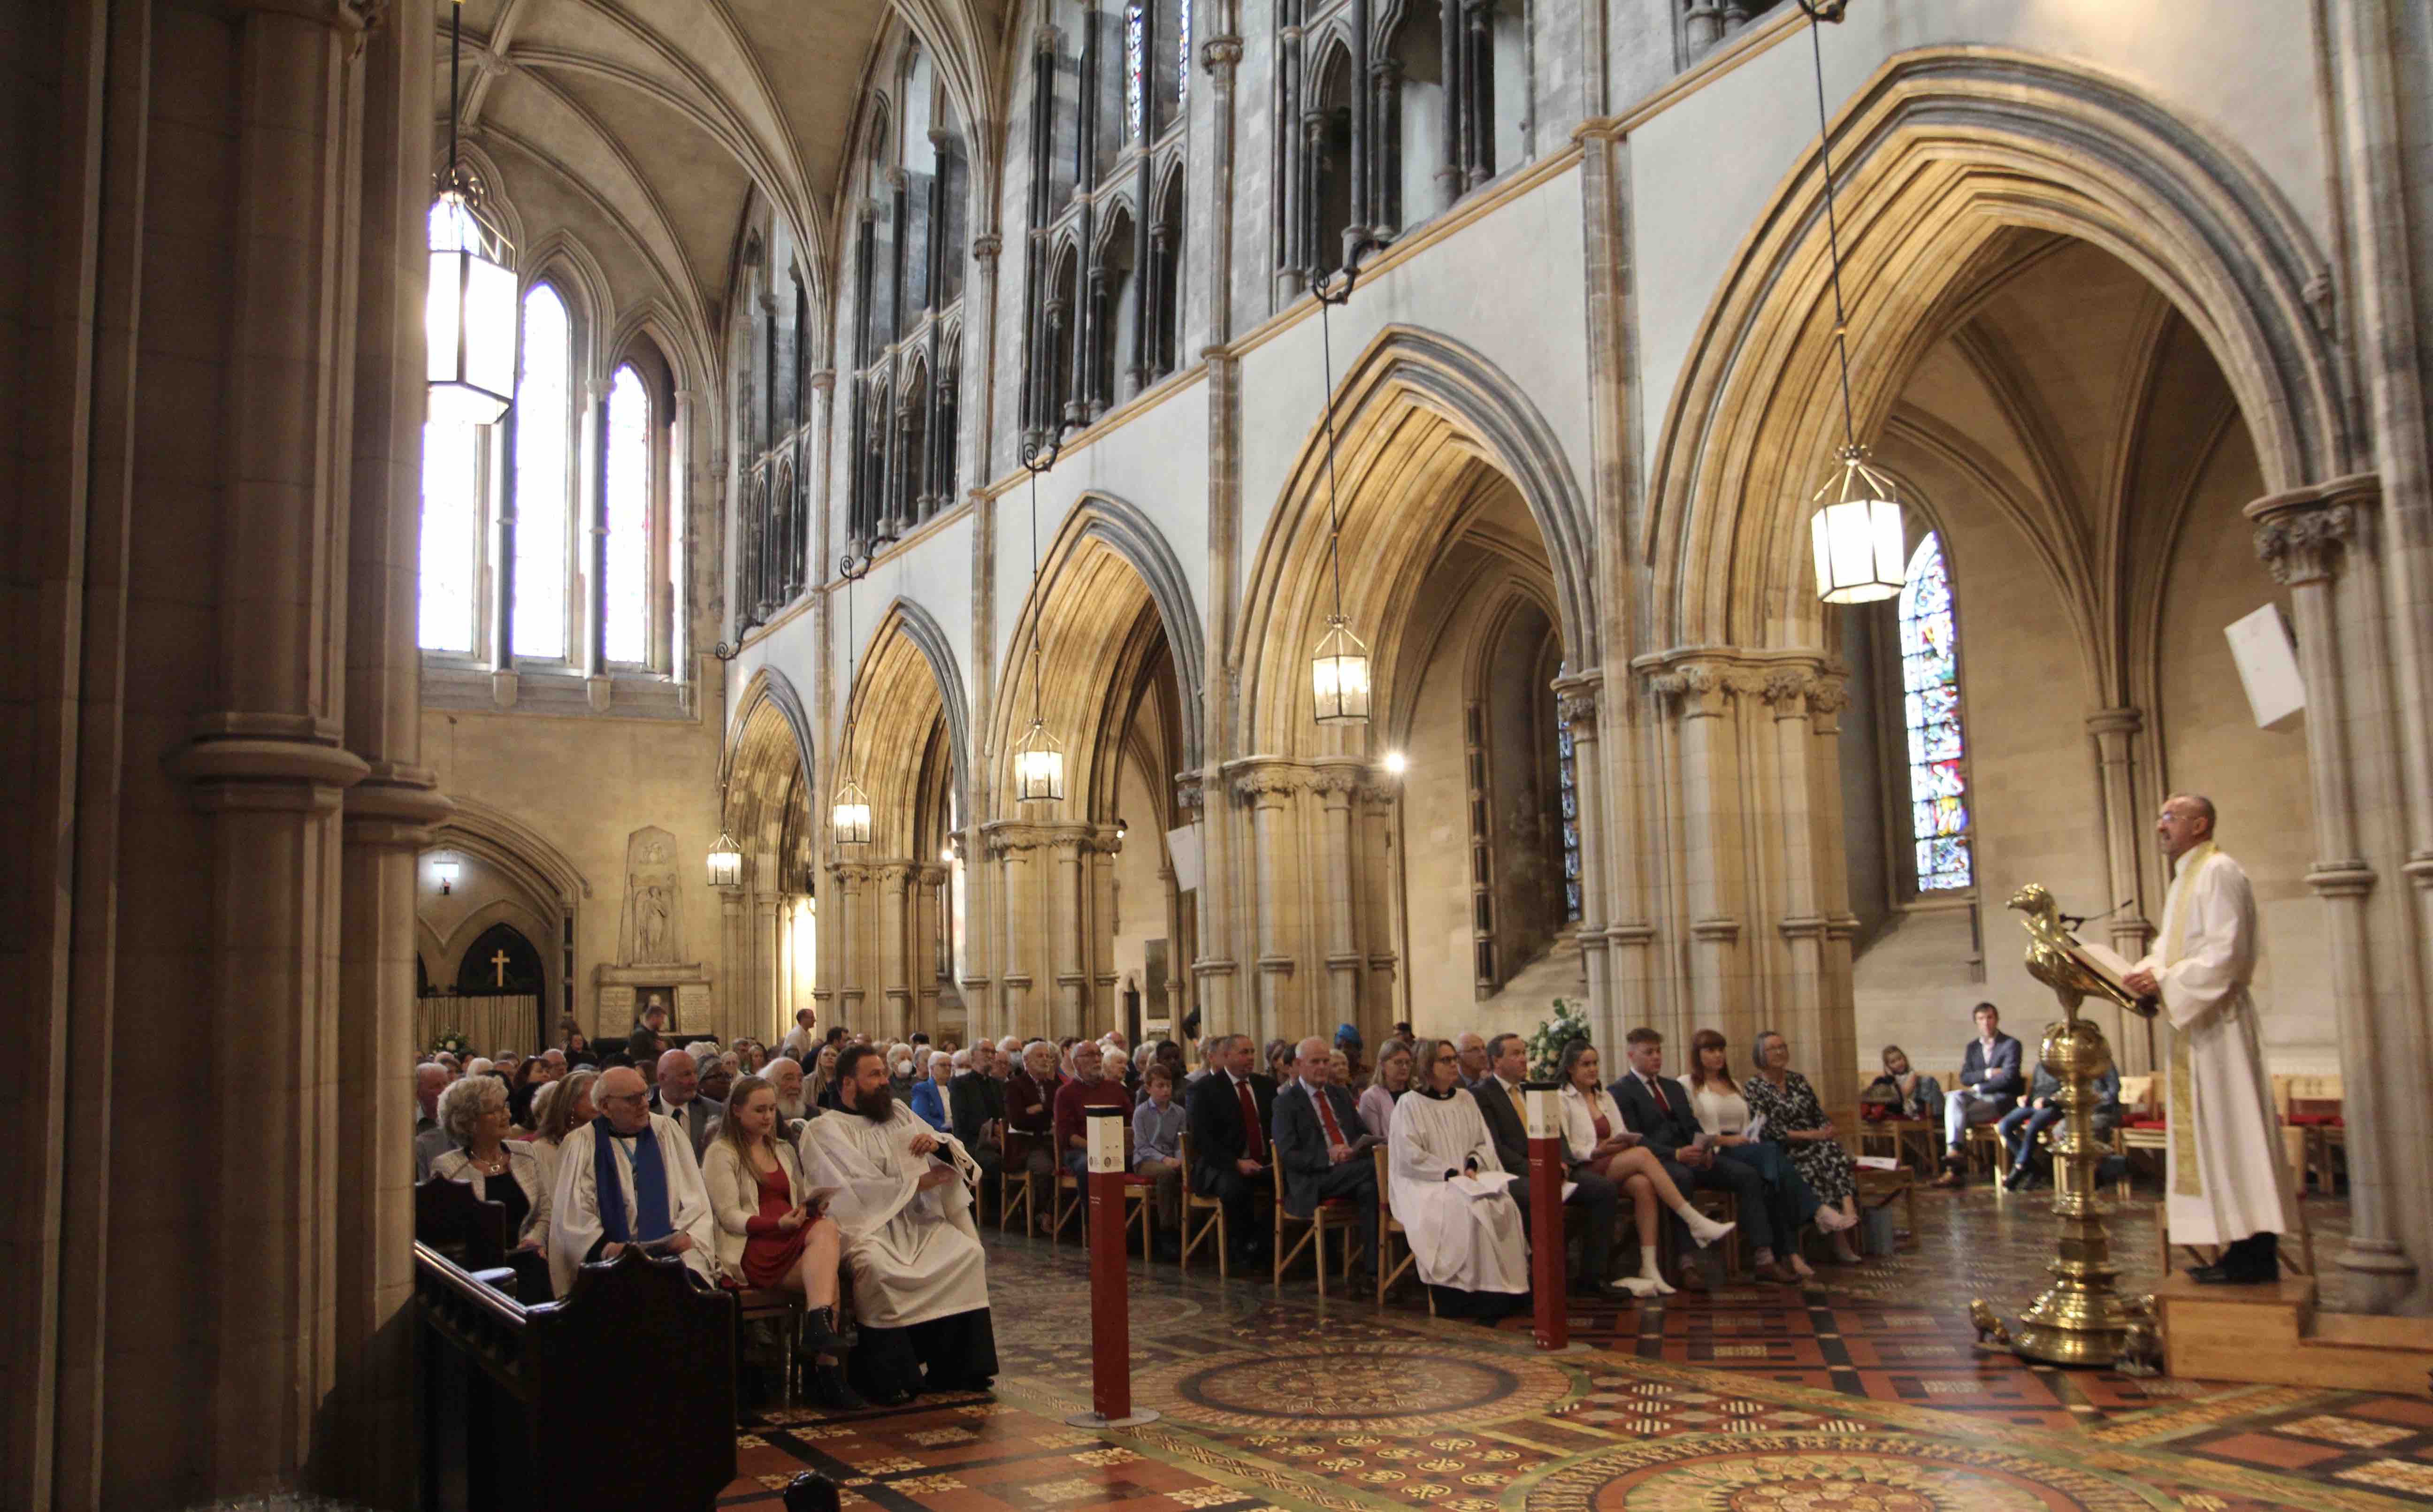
(1230,1111)
(1319,1145)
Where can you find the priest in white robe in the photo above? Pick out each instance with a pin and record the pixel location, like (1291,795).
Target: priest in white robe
(654,1197)
(2227,1182)
(1467,1247)
(903,1204)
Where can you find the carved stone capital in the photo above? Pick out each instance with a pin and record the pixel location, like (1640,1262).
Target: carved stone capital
(1829,695)
(1220,53)
(1380,793)
(1787,689)
(987,245)
(2116,721)
(2305,536)
(1189,792)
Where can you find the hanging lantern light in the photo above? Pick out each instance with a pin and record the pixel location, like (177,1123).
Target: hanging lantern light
(1038,765)
(849,817)
(1339,670)
(468,310)
(726,862)
(1858,534)
(1038,757)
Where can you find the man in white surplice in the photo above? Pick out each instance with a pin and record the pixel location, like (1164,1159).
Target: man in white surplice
(903,1203)
(2227,1184)
(656,1198)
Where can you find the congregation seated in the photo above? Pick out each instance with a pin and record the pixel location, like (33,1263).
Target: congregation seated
(1599,1201)
(976,1111)
(1597,1140)
(1115,1064)
(1990,1083)
(1657,1107)
(2042,1109)
(1471,1049)
(820,1089)
(1323,1147)
(1089,1087)
(1279,1058)
(1468,1245)
(1795,1123)
(1158,1123)
(630,1177)
(902,1204)
(676,1097)
(564,1108)
(1031,1122)
(1228,1114)
(771,1231)
(1900,1092)
(474,1114)
(929,1092)
(431,1079)
(1349,1072)
(785,1078)
(1393,1080)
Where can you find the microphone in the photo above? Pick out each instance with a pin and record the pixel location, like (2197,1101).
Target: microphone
(2073,921)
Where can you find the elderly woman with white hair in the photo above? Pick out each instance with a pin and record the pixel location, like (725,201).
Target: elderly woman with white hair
(500,1170)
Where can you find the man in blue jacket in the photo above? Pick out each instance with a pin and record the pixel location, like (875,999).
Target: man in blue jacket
(1990,1083)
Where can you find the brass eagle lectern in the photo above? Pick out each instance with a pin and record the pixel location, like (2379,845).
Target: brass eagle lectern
(2082,1319)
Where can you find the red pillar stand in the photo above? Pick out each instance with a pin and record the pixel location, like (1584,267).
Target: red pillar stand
(1111,1324)
(1554,1323)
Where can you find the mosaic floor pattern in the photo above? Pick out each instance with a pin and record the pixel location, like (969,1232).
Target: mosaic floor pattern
(1858,1393)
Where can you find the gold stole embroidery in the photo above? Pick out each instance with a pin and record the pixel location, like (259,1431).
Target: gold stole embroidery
(2188,1178)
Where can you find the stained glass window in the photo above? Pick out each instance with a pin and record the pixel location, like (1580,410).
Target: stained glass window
(626,493)
(1135,69)
(452,528)
(1181,56)
(1938,783)
(1566,781)
(544,499)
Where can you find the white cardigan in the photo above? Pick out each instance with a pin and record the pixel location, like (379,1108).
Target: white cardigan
(735,1196)
(1579,1121)
(525,1166)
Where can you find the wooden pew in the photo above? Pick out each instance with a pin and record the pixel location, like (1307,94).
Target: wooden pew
(621,1395)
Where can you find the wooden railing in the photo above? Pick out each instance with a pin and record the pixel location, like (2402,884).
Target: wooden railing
(621,1395)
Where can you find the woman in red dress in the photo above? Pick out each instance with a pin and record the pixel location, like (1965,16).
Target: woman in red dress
(771,1233)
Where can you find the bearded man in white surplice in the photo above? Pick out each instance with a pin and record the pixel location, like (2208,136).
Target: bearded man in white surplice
(903,1203)
(628,1177)
(2226,1181)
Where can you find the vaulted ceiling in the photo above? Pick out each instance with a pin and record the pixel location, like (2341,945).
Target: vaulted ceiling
(661,117)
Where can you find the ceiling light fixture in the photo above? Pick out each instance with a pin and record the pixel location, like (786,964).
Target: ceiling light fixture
(1339,681)
(468,311)
(1038,757)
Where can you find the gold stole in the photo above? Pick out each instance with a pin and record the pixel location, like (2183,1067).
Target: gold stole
(2188,1179)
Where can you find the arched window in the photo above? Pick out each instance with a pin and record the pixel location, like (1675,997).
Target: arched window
(450,616)
(625,496)
(544,422)
(1567,804)
(1938,782)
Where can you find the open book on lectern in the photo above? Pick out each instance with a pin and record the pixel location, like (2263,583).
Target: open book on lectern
(2107,966)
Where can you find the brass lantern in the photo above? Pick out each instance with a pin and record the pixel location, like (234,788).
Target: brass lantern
(1860,538)
(1038,766)
(726,862)
(1339,675)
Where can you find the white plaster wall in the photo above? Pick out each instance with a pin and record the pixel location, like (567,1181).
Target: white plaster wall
(1704,168)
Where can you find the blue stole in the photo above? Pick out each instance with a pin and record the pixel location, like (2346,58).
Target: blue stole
(650,1186)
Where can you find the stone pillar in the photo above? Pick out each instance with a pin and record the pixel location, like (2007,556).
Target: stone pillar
(1381,931)
(1827,698)
(1802,923)
(594,462)
(735,957)
(767,952)
(1575,710)
(1022,945)
(894,971)
(1061,918)
(2305,537)
(1709,820)
(1222,937)
(2114,732)
(1098,939)
(1338,857)
(928,916)
(1269,791)
(263,760)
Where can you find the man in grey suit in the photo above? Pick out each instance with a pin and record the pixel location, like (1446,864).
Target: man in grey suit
(679,1099)
(1318,1139)
(1990,1084)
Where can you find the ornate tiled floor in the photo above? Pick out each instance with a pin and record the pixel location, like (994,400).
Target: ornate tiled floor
(1860,1394)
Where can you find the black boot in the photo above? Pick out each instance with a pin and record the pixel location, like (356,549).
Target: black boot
(818,1334)
(827,1389)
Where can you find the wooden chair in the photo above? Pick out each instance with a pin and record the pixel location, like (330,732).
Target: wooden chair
(1721,1206)
(1013,1180)
(2315,1110)
(784,1308)
(1335,1213)
(469,1233)
(1388,1230)
(1899,1137)
(1212,1218)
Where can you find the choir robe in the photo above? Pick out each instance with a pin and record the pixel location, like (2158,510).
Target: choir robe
(574,1206)
(1459,1242)
(920,1278)
(2225,1176)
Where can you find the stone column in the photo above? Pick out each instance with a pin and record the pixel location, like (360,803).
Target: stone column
(2305,537)
(1575,710)
(1098,939)
(894,880)
(1268,791)
(768,951)
(1338,857)
(1022,945)
(1802,923)
(1827,698)
(1380,932)
(1061,918)
(1709,840)
(592,617)
(852,975)
(263,759)
(928,915)
(2114,732)
(735,956)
